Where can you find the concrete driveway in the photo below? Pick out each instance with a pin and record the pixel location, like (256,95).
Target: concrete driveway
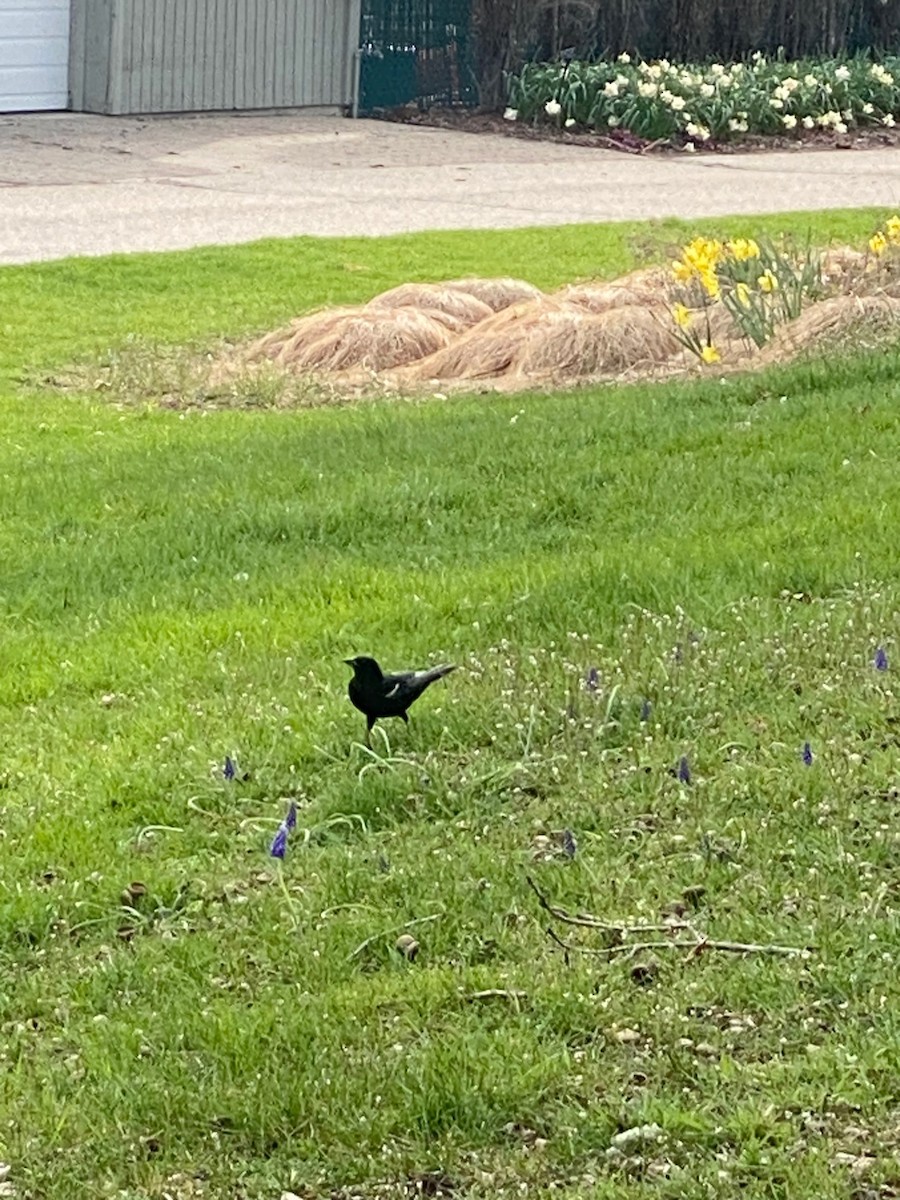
(78,184)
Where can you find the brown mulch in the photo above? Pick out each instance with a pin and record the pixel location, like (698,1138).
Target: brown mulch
(469,120)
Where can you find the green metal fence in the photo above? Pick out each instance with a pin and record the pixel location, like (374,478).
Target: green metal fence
(415,52)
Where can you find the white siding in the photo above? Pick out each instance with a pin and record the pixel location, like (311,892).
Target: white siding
(34,55)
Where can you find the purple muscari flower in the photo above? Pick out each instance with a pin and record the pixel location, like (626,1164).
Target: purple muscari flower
(807,754)
(646,709)
(881,659)
(279,842)
(684,770)
(228,769)
(569,845)
(592,680)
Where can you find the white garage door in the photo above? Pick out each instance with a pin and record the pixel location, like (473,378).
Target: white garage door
(34,54)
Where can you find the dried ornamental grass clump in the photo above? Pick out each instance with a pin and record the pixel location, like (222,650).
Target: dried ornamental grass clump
(831,322)
(737,301)
(497,293)
(376,339)
(552,339)
(643,287)
(454,307)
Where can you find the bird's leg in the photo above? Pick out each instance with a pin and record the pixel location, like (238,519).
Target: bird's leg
(370,724)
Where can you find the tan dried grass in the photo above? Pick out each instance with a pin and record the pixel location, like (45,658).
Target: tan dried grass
(647,287)
(460,308)
(497,293)
(841,264)
(450,334)
(375,339)
(830,322)
(549,339)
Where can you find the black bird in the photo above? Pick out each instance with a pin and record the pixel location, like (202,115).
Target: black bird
(379,695)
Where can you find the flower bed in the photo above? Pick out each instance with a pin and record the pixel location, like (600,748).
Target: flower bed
(695,104)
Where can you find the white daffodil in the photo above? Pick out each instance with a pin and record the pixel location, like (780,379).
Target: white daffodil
(510,114)
(553,108)
(789,121)
(611,88)
(842,73)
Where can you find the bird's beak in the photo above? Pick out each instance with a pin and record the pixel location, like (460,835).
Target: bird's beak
(351,662)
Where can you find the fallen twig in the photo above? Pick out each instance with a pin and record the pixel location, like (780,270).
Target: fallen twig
(497,994)
(589,921)
(694,947)
(394,929)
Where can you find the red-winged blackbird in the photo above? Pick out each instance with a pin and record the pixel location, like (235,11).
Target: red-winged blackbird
(379,695)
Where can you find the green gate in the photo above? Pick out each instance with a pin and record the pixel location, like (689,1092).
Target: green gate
(415,52)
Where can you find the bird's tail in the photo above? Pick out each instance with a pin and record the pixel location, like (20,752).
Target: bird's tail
(433,673)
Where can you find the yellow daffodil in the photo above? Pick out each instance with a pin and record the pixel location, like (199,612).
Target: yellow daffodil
(741,249)
(682,316)
(878,243)
(892,227)
(710,354)
(681,271)
(742,291)
(767,282)
(710,281)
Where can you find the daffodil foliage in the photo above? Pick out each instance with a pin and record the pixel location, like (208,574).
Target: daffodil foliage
(761,284)
(715,102)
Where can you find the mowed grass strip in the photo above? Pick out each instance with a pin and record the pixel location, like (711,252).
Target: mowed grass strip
(181,587)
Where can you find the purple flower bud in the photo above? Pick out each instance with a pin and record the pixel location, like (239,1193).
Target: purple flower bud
(228,769)
(881,659)
(279,842)
(807,754)
(569,845)
(684,770)
(592,680)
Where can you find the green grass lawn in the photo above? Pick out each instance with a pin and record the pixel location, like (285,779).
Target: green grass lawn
(178,587)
